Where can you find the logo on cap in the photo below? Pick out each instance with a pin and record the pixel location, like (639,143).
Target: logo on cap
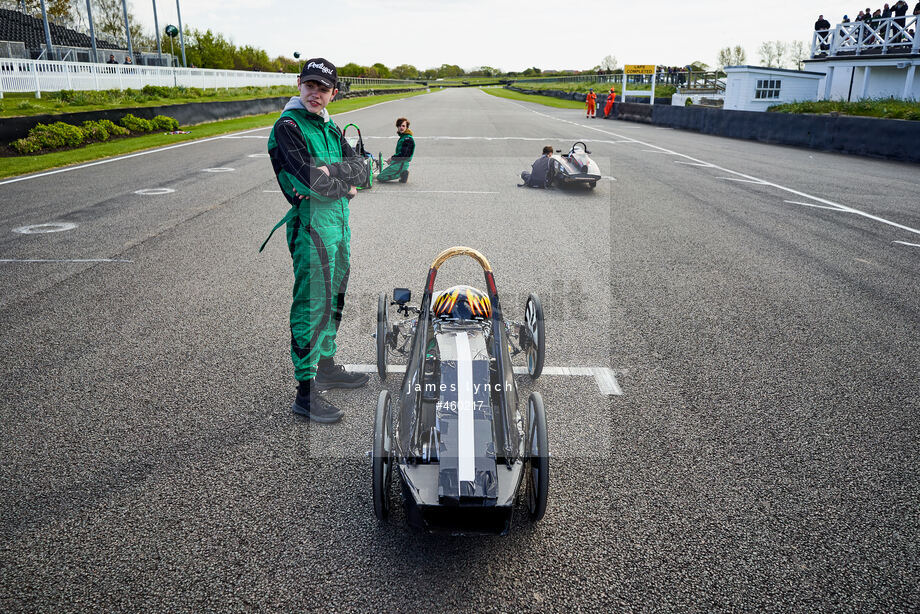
(320,66)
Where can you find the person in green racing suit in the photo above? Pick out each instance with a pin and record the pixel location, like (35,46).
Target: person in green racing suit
(317,171)
(405,147)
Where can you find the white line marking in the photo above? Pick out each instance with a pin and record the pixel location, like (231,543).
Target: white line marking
(154,191)
(218,169)
(248,136)
(906,243)
(32,260)
(271,191)
(756,181)
(257,156)
(36,229)
(727,170)
(608,177)
(657,151)
(605,378)
(435,192)
(693,164)
(795,202)
(466,448)
(134,155)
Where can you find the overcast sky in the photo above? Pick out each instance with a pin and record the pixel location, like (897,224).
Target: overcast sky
(510,35)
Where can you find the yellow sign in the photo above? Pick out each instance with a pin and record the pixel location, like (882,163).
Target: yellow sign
(639,69)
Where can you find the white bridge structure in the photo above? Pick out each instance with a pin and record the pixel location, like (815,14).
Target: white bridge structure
(18,75)
(875,59)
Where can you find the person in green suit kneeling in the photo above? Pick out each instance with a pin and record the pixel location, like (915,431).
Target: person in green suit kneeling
(399,164)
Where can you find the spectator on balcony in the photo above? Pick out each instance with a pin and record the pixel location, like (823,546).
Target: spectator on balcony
(128,59)
(822,27)
(917,9)
(899,10)
(886,11)
(112,59)
(846,19)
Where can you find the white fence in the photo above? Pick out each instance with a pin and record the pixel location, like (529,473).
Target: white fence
(895,35)
(44,76)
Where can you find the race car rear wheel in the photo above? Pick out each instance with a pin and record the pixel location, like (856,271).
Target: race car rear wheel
(538,463)
(383,329)
(536,344)
(382,455)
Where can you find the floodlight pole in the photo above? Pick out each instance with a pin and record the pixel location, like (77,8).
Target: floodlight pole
(48,47)
(181,35)
(124,8)
(92,31)
(156,28)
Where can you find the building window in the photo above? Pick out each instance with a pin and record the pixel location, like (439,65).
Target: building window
(767,88)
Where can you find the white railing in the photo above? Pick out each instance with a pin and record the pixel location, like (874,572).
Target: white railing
(42,76)
(894,35)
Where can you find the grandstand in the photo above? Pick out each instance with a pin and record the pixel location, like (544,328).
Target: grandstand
(22,36)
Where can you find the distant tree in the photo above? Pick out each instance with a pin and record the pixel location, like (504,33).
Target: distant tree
(450,71)
(405,71)
(797,54)
(772,53)
(699,66)
(729,56)
(608,64)
(286,64)
(351,70)
(530,72)
(382,71)
(430,73)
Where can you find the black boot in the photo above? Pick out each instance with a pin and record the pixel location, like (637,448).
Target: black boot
(404,177)
(311,404)
(330,375)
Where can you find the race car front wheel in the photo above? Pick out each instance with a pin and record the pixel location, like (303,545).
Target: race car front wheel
(536,344)
(382,455)
(538,463)
(383,328)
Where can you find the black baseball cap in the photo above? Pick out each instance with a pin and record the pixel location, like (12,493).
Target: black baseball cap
(319,69)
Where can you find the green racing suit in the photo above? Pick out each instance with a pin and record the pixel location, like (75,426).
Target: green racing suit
(318,234)
(405,149)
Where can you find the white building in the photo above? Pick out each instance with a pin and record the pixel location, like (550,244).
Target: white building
(868,61)
(755,88)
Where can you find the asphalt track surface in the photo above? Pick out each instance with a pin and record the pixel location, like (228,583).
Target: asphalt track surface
(763,454)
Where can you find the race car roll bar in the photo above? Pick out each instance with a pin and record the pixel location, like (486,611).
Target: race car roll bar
(499,342)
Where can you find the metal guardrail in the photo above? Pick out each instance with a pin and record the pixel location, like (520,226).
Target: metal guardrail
(893,35)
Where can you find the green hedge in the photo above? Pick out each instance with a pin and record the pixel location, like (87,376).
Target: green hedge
(45,137)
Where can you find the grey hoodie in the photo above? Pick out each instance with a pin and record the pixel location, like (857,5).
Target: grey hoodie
(296,103)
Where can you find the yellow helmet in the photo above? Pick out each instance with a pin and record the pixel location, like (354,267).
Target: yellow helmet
(462,303)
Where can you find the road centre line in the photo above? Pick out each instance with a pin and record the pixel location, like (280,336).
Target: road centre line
(743,175)
(150,151)
(795,202)
(604,377)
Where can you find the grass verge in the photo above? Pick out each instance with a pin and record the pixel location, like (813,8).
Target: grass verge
(21,165)
(544,100)
(888,108)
